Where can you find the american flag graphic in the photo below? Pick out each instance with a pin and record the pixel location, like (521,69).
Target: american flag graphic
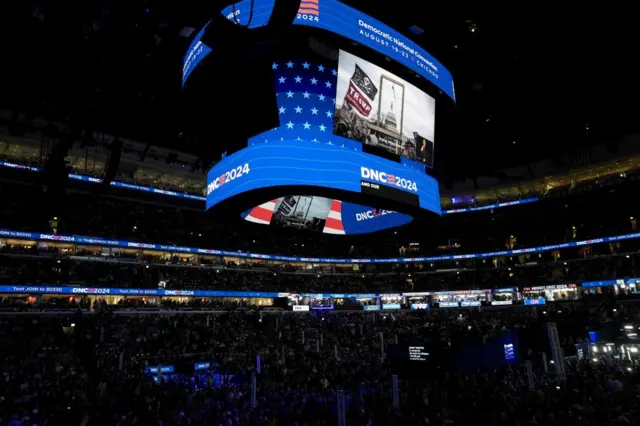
(306,101)
(333,224)
(262,214)
(309,7)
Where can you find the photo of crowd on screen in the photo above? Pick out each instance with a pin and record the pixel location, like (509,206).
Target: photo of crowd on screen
(378,108)
(301,212)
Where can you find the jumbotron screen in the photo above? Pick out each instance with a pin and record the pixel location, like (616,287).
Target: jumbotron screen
(351,134)
(320,214)
(311,147)
(339,122)
(340,109)
(335,17)
(378,108)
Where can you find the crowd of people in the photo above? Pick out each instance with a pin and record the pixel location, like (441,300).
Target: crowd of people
(598,213)
(90,369)
(87,363)
(42,266)
(102,364)
(69,358)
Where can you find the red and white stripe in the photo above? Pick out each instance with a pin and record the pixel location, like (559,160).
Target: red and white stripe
(309,7)
(334,225)
(263,213)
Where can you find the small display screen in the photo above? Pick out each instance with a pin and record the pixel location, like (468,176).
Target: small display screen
(464,199)
(418,353)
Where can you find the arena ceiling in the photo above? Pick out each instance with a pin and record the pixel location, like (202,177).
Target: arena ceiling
(530,83)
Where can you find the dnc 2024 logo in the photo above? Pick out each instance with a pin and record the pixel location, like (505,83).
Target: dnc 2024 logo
(227,177)
(370,214)
(309,10)
(52,237)
(388,178)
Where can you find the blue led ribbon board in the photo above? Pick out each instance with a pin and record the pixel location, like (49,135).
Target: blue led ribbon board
(338,18)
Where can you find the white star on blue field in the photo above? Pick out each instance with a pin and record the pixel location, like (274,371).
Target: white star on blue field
(306,102)
(305,93)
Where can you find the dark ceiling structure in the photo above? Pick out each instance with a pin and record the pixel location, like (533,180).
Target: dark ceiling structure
(531,84)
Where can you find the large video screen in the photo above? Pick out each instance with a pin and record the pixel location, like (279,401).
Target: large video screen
(335,164)
(304,151)
(306,102)
(378,108)
(326,215)
(336,17)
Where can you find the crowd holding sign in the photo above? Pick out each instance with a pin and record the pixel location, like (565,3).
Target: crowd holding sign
(378,108)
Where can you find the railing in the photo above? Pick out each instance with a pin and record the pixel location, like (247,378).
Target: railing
(99,241)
